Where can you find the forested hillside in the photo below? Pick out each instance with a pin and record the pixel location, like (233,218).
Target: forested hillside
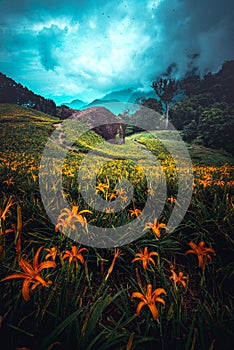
(12,92)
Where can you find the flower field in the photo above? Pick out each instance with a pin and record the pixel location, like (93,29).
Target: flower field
(165,290)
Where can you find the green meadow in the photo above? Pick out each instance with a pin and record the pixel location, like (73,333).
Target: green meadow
(167,289)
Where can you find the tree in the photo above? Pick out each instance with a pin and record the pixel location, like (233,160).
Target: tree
(191,85)
(216,126)
(153,104)
(166,89)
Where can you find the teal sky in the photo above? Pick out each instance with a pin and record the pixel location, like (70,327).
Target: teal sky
(84,49)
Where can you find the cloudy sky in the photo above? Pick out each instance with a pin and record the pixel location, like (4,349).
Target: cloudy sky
(84,49)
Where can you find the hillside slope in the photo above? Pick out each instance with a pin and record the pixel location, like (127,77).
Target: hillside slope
(24,133)
(13,92)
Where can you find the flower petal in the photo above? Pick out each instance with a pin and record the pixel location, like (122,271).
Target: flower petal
(153,253)
(190,252)
(152,260)
(139,307)
(160,300)
(138,295)
(46,265)
(158,292)
(154,310)
(80,257)
(35,260)
(28,269)
(17,275)
(25,289)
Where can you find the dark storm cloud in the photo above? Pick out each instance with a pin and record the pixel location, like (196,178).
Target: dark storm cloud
(49,40)
(87,48)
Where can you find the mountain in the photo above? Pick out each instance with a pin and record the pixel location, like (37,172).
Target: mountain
(137,96)
(130,95)
(12,92)
(120,95)
(100,102)
(76,104)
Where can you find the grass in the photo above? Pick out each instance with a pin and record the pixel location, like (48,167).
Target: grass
(89,304)
(199,154)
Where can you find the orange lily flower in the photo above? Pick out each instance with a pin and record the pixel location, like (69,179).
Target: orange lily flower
(3,213)
(135,212)
(149,299)
(171,200)
(151,192)
(109,210)
(112,196)
(74,254)
(9,182)
(52,253)
(74,215)
(205,183)
(121,192)
(68,218)
(64,224)
(31,274)
(201,253)
(155,227)
(102,188)
(180,278)
(145,257)
(220,183)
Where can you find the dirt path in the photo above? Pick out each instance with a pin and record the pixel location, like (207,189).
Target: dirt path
(60,139)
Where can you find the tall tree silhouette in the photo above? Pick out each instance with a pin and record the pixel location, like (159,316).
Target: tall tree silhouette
(166,89)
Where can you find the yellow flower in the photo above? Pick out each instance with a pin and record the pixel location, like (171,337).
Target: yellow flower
(155,227)
(74,254)
(145,257)
(52,253)
(180,278)
(201,253)
(31,274)
(149,299)
(135,212)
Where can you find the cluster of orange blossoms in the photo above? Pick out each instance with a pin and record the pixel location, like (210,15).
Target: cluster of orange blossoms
(150,298)
(32,272)
(67,219)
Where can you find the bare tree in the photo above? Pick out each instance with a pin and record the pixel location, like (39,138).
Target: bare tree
(166,89)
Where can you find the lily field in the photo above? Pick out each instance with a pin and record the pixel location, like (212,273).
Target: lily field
(165,289)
